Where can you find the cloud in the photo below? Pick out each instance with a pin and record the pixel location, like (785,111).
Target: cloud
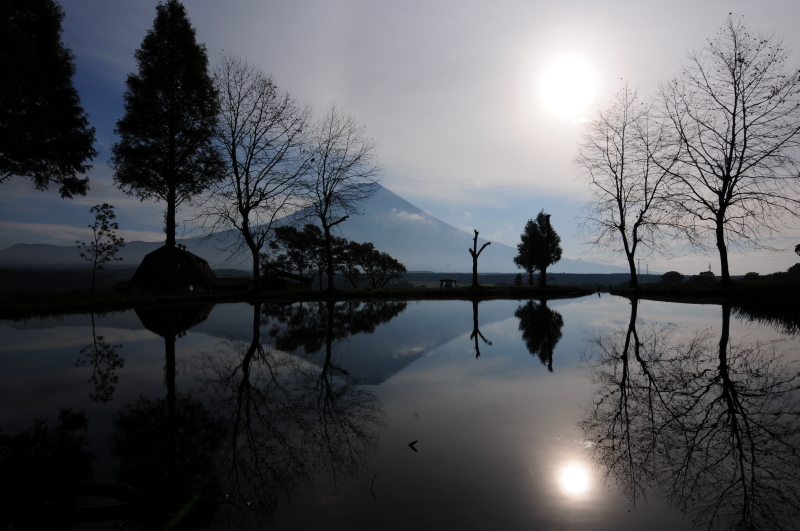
(53,234)
(408,216)
(44,232)
(467,214)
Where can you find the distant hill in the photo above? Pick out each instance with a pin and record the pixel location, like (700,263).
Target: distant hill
(420,241)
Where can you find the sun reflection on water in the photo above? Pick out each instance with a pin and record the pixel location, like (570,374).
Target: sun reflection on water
(574,479)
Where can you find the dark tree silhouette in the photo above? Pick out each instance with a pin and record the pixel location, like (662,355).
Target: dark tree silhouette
(166,149)
(105,244)
(343,173)
(541,330)
(546,245)
(44,131)
(379,268)
(626,156)
(475,253)
(262,133)
(349,257)
(526,259)
(736,112)
(302,249)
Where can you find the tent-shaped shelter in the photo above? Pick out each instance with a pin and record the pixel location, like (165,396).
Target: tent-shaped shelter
(191,272)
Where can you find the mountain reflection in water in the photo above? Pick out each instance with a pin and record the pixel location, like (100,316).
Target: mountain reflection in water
(712,425)
(299,416)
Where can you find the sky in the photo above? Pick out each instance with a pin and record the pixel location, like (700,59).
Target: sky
(476,107)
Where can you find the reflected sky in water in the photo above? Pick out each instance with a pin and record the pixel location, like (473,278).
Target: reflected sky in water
(308,422)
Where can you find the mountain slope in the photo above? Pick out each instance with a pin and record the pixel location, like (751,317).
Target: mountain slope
(420,241)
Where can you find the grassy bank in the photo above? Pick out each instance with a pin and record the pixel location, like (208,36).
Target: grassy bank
(25,305)
(782,294)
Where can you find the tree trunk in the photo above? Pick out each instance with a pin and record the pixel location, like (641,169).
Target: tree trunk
(723,253)
(475,254)
(474,270)
(329,256)
(169,255)
(172,429)
(543,278)
(632,266)
(94,272)
(248,238)
(256,273)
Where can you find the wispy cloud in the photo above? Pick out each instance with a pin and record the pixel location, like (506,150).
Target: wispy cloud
(409,216)
(53,234)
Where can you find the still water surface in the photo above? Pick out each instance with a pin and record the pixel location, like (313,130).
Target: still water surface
(592,413)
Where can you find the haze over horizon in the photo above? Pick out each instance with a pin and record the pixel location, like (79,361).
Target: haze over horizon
(476,109)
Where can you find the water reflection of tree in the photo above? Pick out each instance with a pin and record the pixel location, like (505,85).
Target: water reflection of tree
(476,331)
(167,445)
(310,325)
(290,419)
(39,468)
(784,320)
(541,330)
(104,360)
(713,427)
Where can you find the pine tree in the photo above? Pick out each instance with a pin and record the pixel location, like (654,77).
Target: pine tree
(44,131)
(166,150)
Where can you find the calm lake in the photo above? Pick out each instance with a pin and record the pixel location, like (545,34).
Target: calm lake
(591,413)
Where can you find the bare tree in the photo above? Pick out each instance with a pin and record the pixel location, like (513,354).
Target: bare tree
(262,133)
(343,172)
(736,110)
(475,253)
(626,157)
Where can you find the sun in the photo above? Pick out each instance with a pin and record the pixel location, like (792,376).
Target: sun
(568,85)
(573,479)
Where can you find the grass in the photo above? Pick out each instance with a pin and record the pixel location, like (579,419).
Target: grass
(776,294)
(770,299)
(25,305)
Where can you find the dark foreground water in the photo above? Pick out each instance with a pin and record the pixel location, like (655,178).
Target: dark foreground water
(593,413)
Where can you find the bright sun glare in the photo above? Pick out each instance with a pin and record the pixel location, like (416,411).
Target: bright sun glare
(568,85)
(573,479)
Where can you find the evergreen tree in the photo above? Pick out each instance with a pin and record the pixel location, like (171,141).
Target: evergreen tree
(525,259)
(166,151)
(548,247)
(540,247)
(44,131)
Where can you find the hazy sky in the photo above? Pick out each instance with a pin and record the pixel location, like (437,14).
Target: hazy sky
(473,104)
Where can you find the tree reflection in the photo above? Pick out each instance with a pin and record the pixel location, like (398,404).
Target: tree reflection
(104,360)
(311,326)
(290,419)
(476,331)
(166,446)
(39,468)
(785,321)
(716,427)
(541,330)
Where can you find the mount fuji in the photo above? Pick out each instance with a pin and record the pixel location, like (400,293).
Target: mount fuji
(417,239)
